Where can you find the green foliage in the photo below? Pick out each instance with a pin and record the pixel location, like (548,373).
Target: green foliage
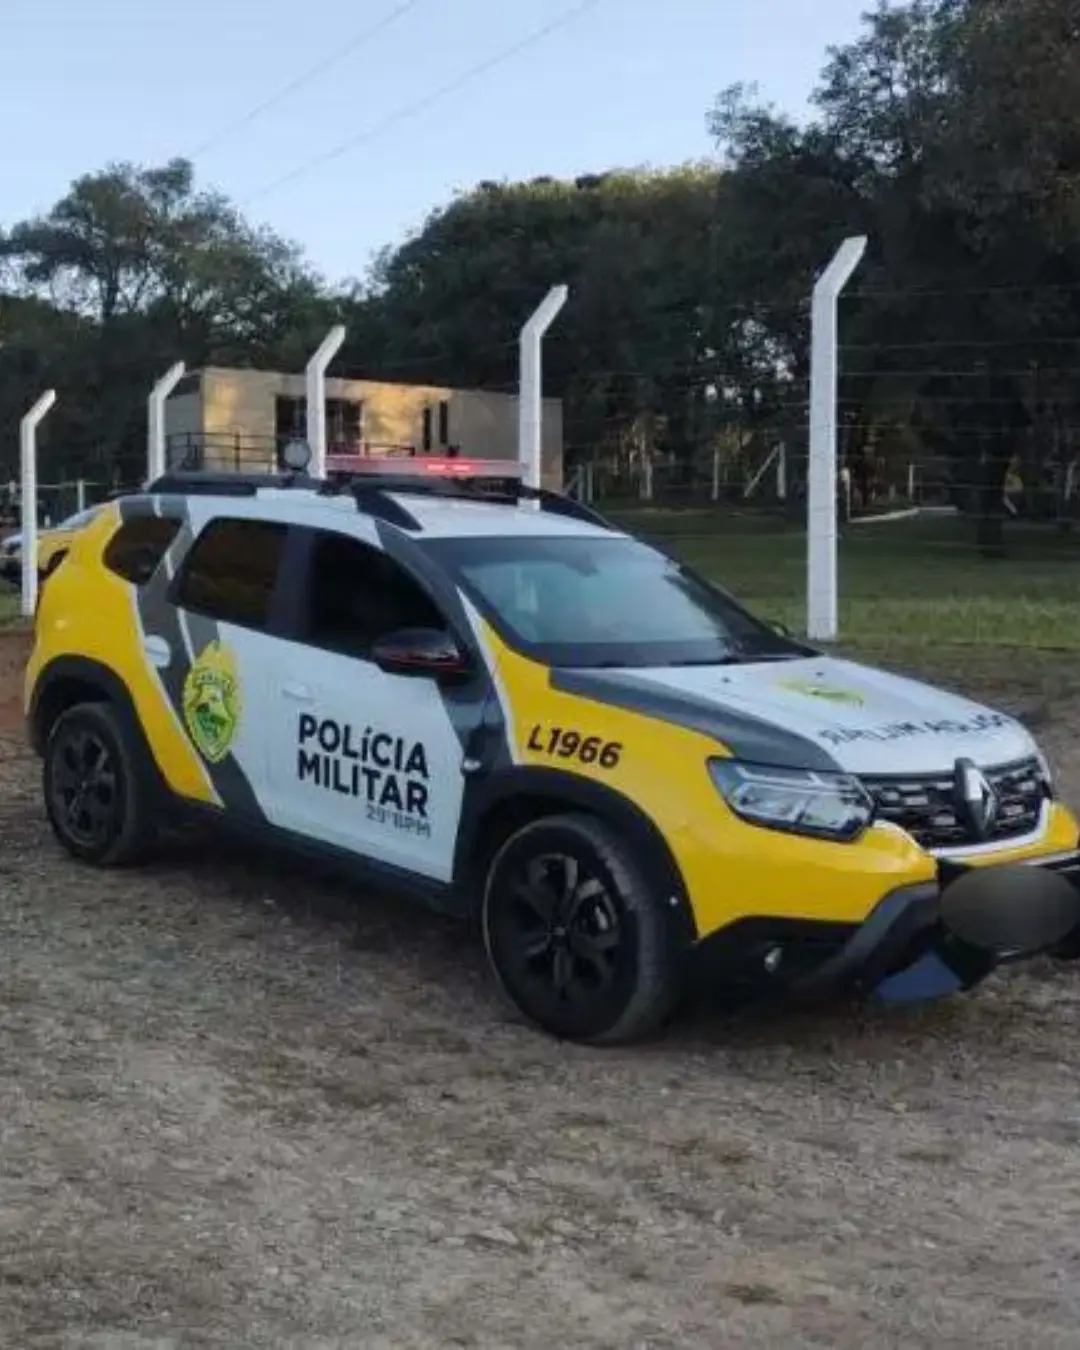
(131,270)
(948,131)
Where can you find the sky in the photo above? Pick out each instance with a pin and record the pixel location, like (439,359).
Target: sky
(345,161)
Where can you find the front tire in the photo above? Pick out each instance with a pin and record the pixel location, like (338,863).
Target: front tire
(576,937)
(98,799)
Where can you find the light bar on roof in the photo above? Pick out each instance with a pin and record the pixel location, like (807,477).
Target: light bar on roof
(427,466)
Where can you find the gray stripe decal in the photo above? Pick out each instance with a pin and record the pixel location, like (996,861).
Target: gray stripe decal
(230,781)
(187,635)
(473,709)
(748,738)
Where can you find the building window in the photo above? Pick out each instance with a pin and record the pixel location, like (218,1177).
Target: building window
(344,422)
(426,441)
(290,418)
(444,423)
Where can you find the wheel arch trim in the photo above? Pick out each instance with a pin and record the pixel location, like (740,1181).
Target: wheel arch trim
(497,795)
(82,670)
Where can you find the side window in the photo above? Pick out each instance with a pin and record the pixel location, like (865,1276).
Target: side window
(231,571)
(138,546)
(356,594)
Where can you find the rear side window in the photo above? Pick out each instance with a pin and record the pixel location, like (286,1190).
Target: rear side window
(138,546)
(231,571)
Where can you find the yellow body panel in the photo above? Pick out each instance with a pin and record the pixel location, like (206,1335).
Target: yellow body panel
(1060,837)
(91,611)
(732,870)
(55,541)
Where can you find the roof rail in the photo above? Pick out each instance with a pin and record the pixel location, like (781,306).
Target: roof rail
(493,482)
(372,494)
(559,504)
(374,501)
(225,483)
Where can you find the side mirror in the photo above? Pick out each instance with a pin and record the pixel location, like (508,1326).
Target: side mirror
(431,652)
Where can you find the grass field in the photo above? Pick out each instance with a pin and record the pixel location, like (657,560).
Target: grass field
(918,583)
(915,596)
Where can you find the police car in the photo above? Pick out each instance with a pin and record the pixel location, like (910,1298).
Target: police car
(489,697)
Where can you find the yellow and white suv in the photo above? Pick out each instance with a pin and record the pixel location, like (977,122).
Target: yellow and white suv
(498,701)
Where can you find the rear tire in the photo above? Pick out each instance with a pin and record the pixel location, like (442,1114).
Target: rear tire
(578,941)
(98,795)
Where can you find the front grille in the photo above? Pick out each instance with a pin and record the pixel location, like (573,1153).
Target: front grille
(925,805)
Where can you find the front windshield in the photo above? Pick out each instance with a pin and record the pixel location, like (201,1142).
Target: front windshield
(604,600)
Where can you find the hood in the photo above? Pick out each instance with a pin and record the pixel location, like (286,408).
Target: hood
(816,712)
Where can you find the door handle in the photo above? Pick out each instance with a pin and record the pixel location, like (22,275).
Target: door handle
(158,651)
(299,693)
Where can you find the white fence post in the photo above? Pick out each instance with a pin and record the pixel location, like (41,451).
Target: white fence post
(821,530)
(29,504)
(315,376)
(80,494)
(155,420)
(646,488)
(531,385)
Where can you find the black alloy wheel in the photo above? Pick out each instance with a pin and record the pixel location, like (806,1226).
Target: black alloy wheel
(576,939)
(86,795)
(97,796)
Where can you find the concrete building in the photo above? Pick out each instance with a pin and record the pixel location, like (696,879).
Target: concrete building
(219,418)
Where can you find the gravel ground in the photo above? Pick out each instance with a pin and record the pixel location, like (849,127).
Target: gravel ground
(241,1109)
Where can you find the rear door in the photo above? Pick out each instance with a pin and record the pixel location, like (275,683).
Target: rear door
(216,643)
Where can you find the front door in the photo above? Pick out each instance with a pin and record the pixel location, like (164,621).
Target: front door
(360,759)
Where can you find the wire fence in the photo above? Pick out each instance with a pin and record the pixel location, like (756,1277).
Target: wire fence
(958,489)
(57,502)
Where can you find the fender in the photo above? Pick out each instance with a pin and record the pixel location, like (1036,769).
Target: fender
(67,680)
(513,796)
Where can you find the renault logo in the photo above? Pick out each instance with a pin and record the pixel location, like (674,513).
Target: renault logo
(976,800)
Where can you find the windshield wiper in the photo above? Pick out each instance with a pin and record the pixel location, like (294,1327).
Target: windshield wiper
(734,659)
(728,659)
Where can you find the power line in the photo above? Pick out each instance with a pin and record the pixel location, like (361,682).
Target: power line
(352,45)
(411,109)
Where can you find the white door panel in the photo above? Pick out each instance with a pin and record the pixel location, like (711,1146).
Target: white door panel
(227,707)
(364,761)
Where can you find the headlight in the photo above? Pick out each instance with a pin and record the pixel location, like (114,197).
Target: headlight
(799,801)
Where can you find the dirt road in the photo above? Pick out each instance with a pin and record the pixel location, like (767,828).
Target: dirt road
(242,1108)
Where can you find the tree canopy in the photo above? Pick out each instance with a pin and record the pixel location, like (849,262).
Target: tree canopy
(948,131)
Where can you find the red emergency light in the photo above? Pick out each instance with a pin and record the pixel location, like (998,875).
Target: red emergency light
(430,466)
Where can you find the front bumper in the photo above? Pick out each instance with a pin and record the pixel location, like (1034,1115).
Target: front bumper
(920,942)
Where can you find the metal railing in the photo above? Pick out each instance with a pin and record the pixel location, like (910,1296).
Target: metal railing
(239,451)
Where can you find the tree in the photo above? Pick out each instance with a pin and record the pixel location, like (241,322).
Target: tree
(139,269)
(658,305)
(948,131)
